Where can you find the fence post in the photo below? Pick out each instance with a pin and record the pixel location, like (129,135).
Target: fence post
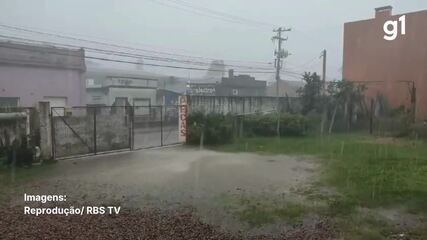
(46,131)
(161,126)
(52,132)
(94,130)
(131,109)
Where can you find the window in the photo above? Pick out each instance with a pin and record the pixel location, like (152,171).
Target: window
(9,102)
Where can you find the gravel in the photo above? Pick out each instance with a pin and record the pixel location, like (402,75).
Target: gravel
(137,224)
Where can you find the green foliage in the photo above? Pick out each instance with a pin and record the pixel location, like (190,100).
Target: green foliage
(257,211)
(221,129)
(420,129)
(19,153)
(345,92)
(266,125)
(368,171)
(217,128)
(311,96)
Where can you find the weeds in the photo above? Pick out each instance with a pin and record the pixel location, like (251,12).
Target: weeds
(368,172)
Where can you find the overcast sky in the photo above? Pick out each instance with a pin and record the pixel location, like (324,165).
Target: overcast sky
(154,24)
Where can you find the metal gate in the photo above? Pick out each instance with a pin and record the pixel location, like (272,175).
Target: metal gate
(92,130)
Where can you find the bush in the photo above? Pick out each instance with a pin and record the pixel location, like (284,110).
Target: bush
(218,128)
(19,151)
(23,156)
(266,125)
(420,130)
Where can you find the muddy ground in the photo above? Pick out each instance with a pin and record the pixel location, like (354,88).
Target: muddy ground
(177,178)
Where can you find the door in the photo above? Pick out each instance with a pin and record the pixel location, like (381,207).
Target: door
(58,104)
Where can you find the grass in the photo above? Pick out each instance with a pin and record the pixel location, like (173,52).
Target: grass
(10,185)
(368,172)
(257,211)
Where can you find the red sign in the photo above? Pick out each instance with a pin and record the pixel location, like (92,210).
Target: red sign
(183,109)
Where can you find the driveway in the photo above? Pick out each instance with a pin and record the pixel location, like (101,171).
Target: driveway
(176,176)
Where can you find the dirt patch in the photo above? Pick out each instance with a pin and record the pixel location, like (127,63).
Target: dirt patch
(387,141)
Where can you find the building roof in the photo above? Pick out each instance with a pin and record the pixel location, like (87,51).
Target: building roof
(245,81)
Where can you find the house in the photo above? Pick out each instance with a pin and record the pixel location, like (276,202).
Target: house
(33,73)
(108,87)
(241,85)
(393,70)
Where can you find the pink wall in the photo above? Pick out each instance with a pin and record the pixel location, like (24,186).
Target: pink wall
(385,65)
(31,84)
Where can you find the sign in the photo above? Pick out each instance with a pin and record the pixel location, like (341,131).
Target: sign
(391,34)
(182,116)
(202,89)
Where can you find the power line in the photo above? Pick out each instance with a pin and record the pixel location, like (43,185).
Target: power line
(117,53)
(206,12)
(123,61)
(109,44)
(222,14)
(131,55)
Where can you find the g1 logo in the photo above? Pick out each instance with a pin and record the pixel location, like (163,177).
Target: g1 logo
(391,34)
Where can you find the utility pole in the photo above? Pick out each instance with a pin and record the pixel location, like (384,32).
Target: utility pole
(324,53)
(278,64)
(324,113)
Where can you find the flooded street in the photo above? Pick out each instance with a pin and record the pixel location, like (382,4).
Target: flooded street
(183,174)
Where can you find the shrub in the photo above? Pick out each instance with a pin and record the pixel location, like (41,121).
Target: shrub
(218,128)
(420,130)
(266,125)
(19,151)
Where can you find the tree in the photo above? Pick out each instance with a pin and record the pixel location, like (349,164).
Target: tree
(346,94)
(311,93)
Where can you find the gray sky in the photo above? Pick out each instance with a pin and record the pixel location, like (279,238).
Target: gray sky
(317,25)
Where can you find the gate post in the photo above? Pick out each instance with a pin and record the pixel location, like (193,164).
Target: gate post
(130,116)
(46,131)
(94,130)
(161,126)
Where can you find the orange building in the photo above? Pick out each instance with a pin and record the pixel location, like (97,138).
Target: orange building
(389,68)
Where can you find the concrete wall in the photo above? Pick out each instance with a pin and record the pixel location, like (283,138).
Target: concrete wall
(382,65)
(240,105)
